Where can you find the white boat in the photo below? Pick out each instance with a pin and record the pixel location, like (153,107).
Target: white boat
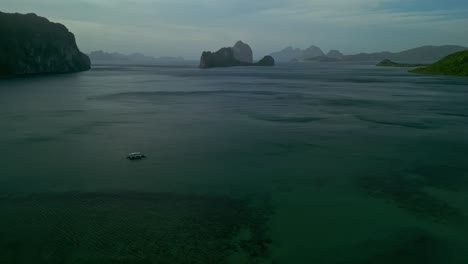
(135,156)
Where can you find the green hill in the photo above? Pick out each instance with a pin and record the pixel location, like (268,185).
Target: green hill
(455,64)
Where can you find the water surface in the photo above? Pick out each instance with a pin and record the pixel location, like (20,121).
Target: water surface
(306,163)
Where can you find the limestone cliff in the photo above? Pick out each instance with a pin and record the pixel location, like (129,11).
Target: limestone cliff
(239,55)
(243,52)
(266,61)
(30,44)
(222,58)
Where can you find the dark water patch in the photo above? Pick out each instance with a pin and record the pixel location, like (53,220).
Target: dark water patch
(136,113)
(75,130)
(443,176)
(18,117)
(284,147)
(453,114)
(361,80)
(284,188)
(406,191)
(285,119)
(406,124)
(86,128)
(150,81)
(79,130)
(130,228)
(37,139)
(182,93)
(444,81)
(68,112)
(409,246)
(406,95)
(290,96)
(355,102)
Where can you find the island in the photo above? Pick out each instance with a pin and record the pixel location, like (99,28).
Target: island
(389,63)
(31,44)
(239,55)
(455,65)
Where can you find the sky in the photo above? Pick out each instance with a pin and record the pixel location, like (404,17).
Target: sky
(188,27)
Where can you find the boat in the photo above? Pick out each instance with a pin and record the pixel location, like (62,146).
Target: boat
(135,156)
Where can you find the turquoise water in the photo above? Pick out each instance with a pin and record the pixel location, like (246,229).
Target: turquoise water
(307,163)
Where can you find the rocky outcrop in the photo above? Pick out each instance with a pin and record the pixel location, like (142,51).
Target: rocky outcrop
(222,58)
(335,54)
(243,52)
(30,44)
(311,52)
(266,61)
(226,57)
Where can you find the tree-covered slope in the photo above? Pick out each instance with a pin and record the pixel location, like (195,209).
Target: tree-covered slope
(455,64)
(31,44)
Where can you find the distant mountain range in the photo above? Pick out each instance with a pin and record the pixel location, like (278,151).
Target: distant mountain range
(102,57)
(424,54)
(289,54)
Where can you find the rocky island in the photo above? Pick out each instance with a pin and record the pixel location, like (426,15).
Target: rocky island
(30,44)
(239,55)
(455,65)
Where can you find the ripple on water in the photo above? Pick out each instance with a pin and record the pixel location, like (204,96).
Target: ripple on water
(401,123)
(285,119)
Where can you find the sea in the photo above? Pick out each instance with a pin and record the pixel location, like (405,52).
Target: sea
(333,163)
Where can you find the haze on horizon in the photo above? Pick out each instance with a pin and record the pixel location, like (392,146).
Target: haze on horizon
(186,27)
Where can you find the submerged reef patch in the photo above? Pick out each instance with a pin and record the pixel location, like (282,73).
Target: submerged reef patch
(407,246)
(130,228)
(407,192)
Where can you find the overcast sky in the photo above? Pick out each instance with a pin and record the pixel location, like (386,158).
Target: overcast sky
(187,27)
